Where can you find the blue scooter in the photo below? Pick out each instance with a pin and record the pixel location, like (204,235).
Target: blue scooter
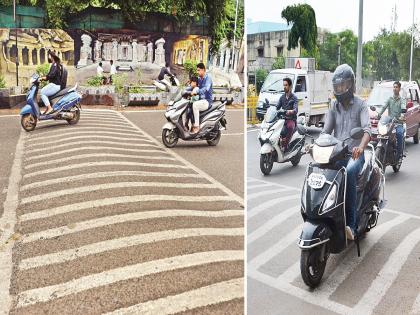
(65,104)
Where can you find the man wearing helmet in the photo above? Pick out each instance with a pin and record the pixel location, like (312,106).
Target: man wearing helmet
(347,112)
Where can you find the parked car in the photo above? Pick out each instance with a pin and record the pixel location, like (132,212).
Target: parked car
(410,92)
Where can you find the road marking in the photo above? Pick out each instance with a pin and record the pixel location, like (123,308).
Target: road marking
(114,201)
(83,130)
(99,187)
(77,143)
(98,155)
(9,115)
(99,135)
(264,193)
(124,242)
(387,274)
(187,301)
(102,175)
(274,184)
(272,223)
(268,204)
(100,148)
(222,187)
(7,225)
(108,277)
(257,186)
(96,164)
(277,248)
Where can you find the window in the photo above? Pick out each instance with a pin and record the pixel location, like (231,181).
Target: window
(280,51)
(300,84)
(260,52)
(414,95)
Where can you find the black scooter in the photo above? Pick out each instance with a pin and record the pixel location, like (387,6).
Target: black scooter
(323,204)
(386,148)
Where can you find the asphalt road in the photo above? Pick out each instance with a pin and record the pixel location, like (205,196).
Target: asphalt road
(384,280)
(101,218)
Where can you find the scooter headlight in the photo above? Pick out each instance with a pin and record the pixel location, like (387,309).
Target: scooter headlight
(322,155)
(330,199)
(382,129)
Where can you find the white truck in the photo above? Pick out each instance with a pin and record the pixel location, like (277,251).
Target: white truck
(313,88)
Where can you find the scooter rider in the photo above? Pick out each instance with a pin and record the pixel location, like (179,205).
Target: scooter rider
(289,102)
(348,112)
(396,106)
(164,70)
(54,78)
(205,85)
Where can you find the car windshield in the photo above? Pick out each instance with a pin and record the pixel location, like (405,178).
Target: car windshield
(274,82)
(380,95)
(271,114)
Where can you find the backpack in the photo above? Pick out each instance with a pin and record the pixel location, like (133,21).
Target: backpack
(63,77)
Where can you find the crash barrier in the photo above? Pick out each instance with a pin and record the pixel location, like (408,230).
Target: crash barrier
(252,109)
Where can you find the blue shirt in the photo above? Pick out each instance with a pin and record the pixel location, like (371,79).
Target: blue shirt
(206,88)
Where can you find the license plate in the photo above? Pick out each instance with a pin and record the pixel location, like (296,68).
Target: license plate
(383,137)
(316,181)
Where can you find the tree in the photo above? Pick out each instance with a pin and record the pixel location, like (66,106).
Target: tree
(279,63)
(329,50)
(304,29)
(261,74)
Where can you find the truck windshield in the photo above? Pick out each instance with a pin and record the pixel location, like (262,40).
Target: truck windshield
(380,95)
(274,82)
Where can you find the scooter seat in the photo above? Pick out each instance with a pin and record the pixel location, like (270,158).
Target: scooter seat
(60,93)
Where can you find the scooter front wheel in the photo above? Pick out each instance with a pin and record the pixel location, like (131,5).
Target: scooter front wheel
(266,163)
(28,122)
(170,137)
(76,117)
(312,266)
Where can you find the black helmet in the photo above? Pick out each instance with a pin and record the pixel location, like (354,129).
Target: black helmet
(343,83)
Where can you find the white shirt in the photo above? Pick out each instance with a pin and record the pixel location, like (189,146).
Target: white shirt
(113,69)
(99,71)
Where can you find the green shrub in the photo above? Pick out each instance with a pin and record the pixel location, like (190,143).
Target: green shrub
(119,80)
(2,82)
(94,81)
(191,67)
(43,69)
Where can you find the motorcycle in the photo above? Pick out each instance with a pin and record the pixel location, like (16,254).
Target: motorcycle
(386,148)
(165,85)
(323,204)
(65,104)
(270,137)
(212,121)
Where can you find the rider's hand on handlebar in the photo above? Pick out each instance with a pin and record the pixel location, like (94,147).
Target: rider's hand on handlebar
(356,152)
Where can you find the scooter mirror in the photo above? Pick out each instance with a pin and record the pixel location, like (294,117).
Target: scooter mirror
(373,108)
(357,133)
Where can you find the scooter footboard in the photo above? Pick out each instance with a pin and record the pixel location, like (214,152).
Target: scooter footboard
(314,234)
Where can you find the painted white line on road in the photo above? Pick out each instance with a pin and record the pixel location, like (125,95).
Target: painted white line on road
(274,184)
(272,223)
(270,203)
(77,143)
(74,130)
(188,301)
(412,216)
(265,192)
(305,295)
(98,155)
(99,187)
(416,306)
(7,226)
(114,201)
(222,187)
(285,241)
(89,118)
(96,164)
(290,274)
(96,148)
(124,242)
(108,277)
(102,175)
(90,135)
(9,115)
(164,110)
(258,185)
(253,130)
(387,274)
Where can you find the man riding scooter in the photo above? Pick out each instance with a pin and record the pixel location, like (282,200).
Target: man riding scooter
(205,85)
(348,112)
(288,102)
(396,106)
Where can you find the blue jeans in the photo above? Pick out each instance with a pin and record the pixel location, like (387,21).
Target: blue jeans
(400,138)
(48,90)
(353,168)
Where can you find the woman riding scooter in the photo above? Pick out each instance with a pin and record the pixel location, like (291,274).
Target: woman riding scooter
(54,78)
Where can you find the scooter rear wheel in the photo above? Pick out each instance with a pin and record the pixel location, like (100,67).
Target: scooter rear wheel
(170,137)
(28,122)
(266,163)
(75,118)
(216,139)
(312,267)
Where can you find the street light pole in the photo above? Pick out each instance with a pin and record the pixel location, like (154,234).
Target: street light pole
(16,36)
(339,52)
(412,42)
(359,50)
(234,36)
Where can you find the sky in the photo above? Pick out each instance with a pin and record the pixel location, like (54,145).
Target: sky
(338,15)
